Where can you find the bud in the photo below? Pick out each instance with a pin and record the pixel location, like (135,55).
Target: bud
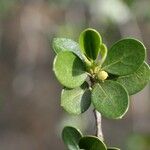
(102,75)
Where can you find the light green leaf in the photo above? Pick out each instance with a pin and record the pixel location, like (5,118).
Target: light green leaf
(71,137)
(90,41)
(137,81)
(110,99)
(91,143)
(63,44)
(113,148)
(103,53)
(76,101)
(125,57)
(69,69)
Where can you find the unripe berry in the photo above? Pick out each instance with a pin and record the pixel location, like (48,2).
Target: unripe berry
(102,75)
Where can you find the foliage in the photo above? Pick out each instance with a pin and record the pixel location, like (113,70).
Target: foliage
(92,74)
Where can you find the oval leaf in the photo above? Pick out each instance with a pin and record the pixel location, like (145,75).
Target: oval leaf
(69,69)
(137,81)
(71,137)
(63,44)
(76,101)
(113,148)
(91,143)
(125,57)
(110,99)
(90,41)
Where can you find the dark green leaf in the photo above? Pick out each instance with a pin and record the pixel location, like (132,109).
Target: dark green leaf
(69,69)
(137,81)
(63,44)
(91,143)
(76,101)
(90,41)
(71,137)
(113,148)
(110,99)
(125,57)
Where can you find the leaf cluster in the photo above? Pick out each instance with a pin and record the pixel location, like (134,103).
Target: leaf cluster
(92,74)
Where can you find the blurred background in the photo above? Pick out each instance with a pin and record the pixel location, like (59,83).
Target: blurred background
(30,114)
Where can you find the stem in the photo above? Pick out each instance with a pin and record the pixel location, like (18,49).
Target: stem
(98,120)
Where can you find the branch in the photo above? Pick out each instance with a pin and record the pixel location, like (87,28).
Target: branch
(98,120)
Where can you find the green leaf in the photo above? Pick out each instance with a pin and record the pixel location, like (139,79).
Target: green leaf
(137,81)
(125,57)
(91,143)
(110,99)
(90,41)
(63,44)
(69,69)
(103,53)
(76,101)
(71,137)
(112,148)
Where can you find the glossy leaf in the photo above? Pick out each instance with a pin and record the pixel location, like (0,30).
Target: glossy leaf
(71,137)
(137,81)
(110,99)
(91,143)
(76,101)
(69,69)
(103,53)
(63,44)
(113,148)
(90,41)
(125,57)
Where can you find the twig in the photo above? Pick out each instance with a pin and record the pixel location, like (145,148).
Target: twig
(98,120)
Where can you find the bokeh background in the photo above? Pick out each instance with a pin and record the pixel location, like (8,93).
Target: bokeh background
(30,114)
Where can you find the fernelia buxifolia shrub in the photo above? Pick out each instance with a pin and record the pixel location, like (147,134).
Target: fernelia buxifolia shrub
(94,75)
